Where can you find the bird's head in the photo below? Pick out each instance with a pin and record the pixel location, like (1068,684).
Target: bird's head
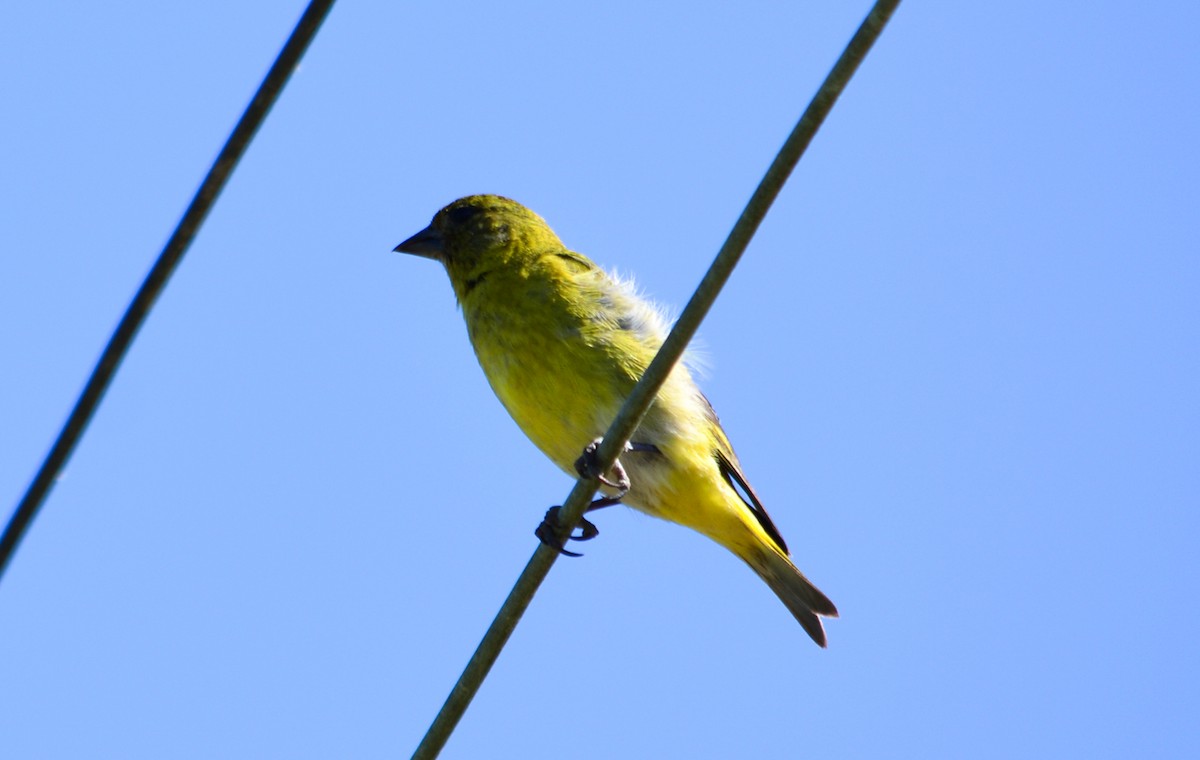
(480,233)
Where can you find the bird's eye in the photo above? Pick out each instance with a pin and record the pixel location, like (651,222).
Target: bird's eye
(460,216)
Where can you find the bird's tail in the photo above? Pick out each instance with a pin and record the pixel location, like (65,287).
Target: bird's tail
(803,599)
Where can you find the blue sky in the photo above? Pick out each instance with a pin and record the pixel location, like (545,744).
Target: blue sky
(959,364)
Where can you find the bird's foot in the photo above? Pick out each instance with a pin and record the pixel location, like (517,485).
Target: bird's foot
(587,466)
(548,531)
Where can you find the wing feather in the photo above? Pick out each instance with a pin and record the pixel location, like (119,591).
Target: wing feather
(732,473)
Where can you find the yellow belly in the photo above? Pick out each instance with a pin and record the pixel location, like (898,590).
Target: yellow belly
(563,382)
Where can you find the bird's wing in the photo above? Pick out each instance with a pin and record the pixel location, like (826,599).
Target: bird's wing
(732,472)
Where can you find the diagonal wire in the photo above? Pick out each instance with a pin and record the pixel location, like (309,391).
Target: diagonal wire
(639,400)
(168,260)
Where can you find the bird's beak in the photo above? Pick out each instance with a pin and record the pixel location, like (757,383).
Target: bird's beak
(427,243)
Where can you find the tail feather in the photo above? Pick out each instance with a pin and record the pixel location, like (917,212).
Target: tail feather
(799,595)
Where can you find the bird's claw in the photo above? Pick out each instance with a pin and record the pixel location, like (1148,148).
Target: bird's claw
(587,466)
(548,532)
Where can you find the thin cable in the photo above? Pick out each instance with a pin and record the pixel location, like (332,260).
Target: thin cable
(647,388)
(168,260)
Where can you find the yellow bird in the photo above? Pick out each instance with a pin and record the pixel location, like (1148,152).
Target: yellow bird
(562,344)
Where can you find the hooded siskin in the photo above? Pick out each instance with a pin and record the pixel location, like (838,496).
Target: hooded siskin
(563,343)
